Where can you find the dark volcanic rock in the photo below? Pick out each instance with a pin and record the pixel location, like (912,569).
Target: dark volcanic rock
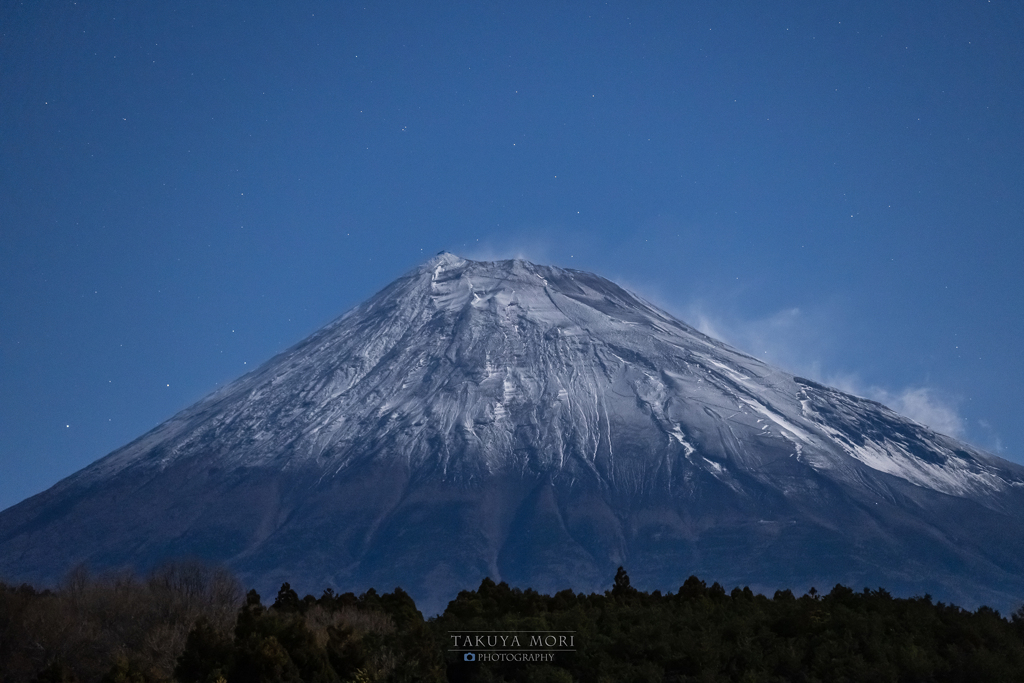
(540,426)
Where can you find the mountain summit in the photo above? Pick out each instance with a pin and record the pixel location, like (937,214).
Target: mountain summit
(541,426)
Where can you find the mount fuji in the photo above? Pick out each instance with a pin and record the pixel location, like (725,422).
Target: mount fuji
(540,426)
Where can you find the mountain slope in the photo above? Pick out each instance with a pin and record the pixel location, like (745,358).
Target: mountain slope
(542,426)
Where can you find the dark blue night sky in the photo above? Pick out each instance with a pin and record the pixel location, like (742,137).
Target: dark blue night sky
(187,188)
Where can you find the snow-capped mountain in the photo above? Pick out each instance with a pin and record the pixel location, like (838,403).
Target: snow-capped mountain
(541,426)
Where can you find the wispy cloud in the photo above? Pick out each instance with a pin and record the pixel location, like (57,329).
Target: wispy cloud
(791,338)
(926,405)
(537,252)
(798,341)
(532,243)
(928,408)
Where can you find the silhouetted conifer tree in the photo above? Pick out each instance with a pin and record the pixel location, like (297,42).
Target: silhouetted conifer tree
(621,587)
(287,600)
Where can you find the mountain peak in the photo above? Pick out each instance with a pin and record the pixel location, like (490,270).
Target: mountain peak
(443,258)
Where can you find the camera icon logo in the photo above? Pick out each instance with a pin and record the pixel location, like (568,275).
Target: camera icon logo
(469,657)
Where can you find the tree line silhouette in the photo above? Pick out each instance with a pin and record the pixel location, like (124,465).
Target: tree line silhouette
(189,623)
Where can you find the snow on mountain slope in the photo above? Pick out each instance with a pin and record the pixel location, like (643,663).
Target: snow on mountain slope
(464,368)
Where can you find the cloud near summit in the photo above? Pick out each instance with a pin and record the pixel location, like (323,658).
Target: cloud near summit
(794,340)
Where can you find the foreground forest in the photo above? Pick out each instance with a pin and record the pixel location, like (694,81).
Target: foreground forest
(189,623)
